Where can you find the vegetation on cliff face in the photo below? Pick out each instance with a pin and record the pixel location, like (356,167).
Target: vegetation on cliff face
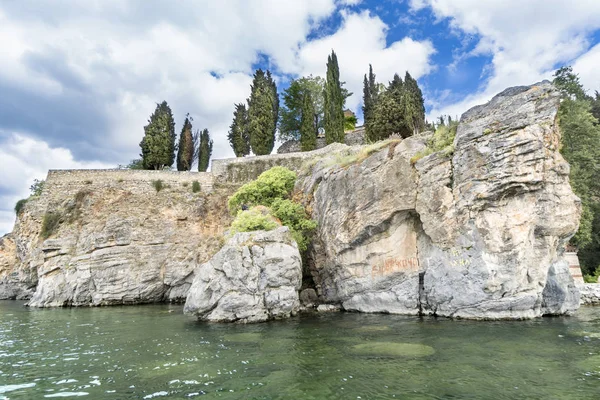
(36,189)
(578,118)
(441,140)
(266,203)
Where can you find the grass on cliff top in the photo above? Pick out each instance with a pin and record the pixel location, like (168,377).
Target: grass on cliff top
(442,140)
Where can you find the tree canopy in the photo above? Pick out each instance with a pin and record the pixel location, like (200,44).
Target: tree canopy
(333,102)
(238,131)
(293,105)
(158,145)
(205,151)
(185,151)
(263,110)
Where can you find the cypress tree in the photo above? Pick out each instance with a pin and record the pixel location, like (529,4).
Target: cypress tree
(205,151)
(308,133)
(238,134)
(185,152)
(414,107)
(370,96)
(263,108)
(388,114)
(158,145)
(334,102)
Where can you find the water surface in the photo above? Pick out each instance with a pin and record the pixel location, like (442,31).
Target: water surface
(156,352)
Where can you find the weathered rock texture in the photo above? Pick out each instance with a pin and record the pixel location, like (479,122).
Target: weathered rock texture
(590,294)
(479,234)
(356,137)
(118,242)
(254,277)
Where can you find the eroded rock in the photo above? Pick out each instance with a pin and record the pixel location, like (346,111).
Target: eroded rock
(255,277)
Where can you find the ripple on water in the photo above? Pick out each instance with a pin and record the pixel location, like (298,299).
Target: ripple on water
(390,349)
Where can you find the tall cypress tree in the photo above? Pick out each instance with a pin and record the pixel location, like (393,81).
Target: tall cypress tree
(308,133)
(205,151)
(414,107)
(185,152)
(238,131)
(388,114)
(334,102)
(370,96)
(263,108)
(158,145)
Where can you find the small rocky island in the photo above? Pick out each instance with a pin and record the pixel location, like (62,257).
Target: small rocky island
(476,230)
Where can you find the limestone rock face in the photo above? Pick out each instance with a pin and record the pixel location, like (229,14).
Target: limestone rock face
(590,294)
(476,234)
(122,246)
(254,277)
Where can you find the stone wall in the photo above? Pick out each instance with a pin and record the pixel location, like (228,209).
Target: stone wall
(352,138)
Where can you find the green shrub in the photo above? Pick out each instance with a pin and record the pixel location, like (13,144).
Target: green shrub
(19,206)
(294,216)
(50,224)
(256,219)
(37,187)
(592,278)
(158,185)
(442,140)
(276,183)
(196,187)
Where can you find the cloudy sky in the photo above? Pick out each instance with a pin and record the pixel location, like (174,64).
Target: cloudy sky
(78,79)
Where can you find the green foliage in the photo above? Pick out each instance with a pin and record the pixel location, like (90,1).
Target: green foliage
(258,218)
(268,197)
(350,122)
(37,187)
(196,187)
(396,109)
(158,185)
(133,164)
(263,110)
(414,104)
(185,152)
(205,151)
(238,132)
(581,148)
(294,216)
(292,112)
(364,153)
(569,85)
(276,183)
(158,145)
(308,132)
(19,206)
(333,102)
(442,140)
(388,113)
(370,98)
(50,224)
(423,153)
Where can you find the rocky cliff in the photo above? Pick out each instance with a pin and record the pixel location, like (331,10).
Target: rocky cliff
(475,231)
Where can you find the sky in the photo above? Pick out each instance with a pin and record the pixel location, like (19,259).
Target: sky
(79,79)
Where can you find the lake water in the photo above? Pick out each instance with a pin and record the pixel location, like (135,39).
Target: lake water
(145,352)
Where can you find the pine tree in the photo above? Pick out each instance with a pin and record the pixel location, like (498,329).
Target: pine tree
(205,151)
(263,109)
(370,97)
(388,114)
(185,152)
(158,145)
(238,135)
(414,107)
(308,133)
(334,102)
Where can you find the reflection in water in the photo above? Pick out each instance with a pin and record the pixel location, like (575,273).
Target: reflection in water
(156,352)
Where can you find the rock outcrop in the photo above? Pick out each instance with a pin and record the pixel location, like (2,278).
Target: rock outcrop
(255,277)
(476,234)
(590,294)
(116,245)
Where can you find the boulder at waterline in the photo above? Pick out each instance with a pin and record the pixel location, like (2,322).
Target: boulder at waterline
(255,277)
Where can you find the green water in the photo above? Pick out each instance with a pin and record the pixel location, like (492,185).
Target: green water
(156,352)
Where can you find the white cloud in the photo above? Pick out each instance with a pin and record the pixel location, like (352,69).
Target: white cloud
(28,159)
(360,41)
(526,39)
(587,67)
